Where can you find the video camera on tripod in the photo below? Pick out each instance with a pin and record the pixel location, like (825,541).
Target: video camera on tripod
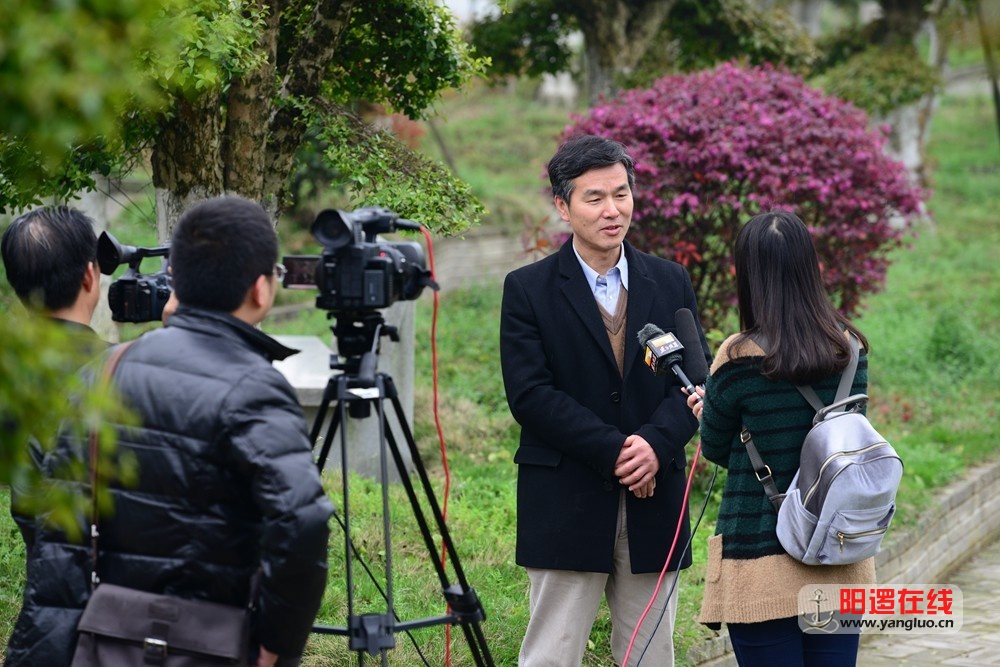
(357,275)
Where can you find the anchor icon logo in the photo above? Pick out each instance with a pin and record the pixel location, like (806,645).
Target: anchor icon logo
(815,619)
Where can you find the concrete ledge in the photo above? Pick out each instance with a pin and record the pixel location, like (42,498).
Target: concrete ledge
(716,652)
(308,371)
(965,519)
(358,440)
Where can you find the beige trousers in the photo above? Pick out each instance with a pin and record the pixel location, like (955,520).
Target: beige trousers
(563,605)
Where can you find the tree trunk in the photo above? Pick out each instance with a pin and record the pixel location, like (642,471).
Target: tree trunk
(250,100)
(186,159)
(809,13)
(244,141)
(617,33)
(903,18)
(991,66)
(910,125)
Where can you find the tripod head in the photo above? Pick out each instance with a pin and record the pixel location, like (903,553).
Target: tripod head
(357,333)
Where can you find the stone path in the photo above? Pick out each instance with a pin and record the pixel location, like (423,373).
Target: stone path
(978,642)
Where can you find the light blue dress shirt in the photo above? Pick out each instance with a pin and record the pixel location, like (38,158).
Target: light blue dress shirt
(606,288)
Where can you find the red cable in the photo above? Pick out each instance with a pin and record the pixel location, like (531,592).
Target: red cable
(437,424)
(663,572)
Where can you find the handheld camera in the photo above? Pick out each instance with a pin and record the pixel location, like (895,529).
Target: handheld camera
(135,296)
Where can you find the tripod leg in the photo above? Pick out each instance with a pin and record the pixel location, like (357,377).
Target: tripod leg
(465,605)
(365,633)
(332,389)
(368,632)
(428,490)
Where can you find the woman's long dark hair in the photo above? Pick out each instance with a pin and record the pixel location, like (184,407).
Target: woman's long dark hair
(782,299)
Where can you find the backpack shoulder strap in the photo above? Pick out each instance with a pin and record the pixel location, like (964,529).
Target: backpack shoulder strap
(761,470)
(108,371)
(846,380)
(811,396)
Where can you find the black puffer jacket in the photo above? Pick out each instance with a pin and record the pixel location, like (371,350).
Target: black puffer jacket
(82,345)
(227,485)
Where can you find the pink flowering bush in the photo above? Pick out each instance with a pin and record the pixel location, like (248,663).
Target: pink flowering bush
(714,148)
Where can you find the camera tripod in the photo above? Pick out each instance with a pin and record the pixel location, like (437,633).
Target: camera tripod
(355,392)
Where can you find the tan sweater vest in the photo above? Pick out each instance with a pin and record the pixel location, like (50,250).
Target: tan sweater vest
(615,324)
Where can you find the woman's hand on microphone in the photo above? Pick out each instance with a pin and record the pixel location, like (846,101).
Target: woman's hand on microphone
(695,401)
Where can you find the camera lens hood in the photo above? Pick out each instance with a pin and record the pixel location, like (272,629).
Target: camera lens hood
(111,253)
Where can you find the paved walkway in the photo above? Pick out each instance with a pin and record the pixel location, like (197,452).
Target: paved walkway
(978,642)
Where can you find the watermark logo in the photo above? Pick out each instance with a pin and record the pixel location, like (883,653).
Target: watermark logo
(903,609)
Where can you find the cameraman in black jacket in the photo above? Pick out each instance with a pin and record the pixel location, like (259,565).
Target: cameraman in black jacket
(50,259)
(226,485)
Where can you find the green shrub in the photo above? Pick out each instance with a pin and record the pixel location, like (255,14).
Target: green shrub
(880,79)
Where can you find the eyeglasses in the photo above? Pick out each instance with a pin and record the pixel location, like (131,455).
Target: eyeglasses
(280,271)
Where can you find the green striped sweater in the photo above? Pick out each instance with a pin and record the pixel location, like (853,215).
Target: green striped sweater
(778,418)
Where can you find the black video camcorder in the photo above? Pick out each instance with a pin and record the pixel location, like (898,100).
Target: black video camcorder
(135,296)
(356,273)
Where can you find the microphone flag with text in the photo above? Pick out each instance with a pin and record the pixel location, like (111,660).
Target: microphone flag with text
(681,353)
(663,352)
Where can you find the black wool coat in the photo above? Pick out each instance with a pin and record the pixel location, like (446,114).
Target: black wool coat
(575,411)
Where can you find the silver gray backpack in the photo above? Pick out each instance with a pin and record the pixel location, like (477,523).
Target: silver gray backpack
(843,496)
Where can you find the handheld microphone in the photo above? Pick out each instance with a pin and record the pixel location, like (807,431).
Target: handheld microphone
(663,351)
(695,364)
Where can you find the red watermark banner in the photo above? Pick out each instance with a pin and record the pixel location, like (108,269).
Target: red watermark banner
(897,609)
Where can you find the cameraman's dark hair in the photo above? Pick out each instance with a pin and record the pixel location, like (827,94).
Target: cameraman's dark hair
(782,297)
(580,154)
(45,253)
(219,248)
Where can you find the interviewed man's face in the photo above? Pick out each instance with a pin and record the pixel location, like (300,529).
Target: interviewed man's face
(599,210)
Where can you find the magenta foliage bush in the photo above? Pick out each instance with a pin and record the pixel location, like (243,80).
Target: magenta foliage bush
(714,148)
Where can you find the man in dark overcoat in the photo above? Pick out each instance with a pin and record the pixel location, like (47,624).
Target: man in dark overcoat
(601,462)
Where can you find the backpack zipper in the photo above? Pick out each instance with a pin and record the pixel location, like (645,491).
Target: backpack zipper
(853,536)
(819,477)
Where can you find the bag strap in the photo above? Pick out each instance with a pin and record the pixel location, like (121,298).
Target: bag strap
(762,470)
(846,380)
(108,371)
